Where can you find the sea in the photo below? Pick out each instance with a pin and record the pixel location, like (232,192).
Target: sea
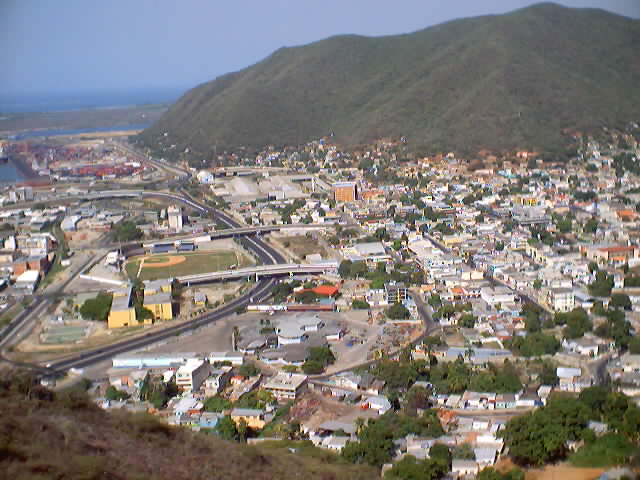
(80,100)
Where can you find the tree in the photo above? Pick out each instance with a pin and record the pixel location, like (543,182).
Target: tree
(312,367)
(548,375)
(541,436)
(226,428)
(535,345)
(602,285)
(344,270)
(409,468)
(441,453)
(620,301)
(537,284)
(467,320)
(464,452)
(216,404)
(360,305)
(358,269)
(248,369)
(397,311)
(634,345)
(97,308)
(126,231)
(112,393)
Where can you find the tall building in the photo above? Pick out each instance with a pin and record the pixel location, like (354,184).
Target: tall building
(174,213)
(395,292)
(345,191)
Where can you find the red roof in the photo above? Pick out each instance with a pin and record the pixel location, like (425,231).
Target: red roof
(325,290)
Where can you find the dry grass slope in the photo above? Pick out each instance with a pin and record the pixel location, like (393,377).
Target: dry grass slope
(64,436)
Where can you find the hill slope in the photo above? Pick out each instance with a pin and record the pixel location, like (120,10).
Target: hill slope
(43,436)
(496,82)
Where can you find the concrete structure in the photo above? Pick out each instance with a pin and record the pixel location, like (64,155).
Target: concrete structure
(286,386)
(28,281)
(561,299)
(395,292)
(345,191)
(174,214)
(190,376)
(151,360)
(122,313)
(253,418)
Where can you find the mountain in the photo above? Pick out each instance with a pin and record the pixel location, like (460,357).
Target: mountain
(494,82)
(63,435)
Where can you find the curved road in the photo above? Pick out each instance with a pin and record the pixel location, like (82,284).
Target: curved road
(265,254)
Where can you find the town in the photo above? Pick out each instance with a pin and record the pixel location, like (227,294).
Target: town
(399,311)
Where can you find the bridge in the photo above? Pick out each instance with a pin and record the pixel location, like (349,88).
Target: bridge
(259,271)
(232,232)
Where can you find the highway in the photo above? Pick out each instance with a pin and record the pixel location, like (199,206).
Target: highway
(265,254)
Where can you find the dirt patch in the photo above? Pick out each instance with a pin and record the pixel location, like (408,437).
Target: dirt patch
(153,262)
(565,472)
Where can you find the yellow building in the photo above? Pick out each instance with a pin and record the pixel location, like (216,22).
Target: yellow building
(122,313)
(252,417)
(157,299)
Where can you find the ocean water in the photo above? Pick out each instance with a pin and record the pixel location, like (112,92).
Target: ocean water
(84,100)
(65,131)
(9,173)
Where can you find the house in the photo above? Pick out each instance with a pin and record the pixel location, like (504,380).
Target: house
(160,305)
(377,402)
(216,381)
(462,468)
(561,299)
(122,313)
(285,386)
(335,443)
(588,345)
(200,299)
(570,379)
(190,376)
(232,357)
(254,418)
(28,281)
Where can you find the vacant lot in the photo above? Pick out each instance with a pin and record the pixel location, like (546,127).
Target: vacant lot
(188,264)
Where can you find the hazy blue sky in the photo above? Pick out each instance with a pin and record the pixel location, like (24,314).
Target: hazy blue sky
(65,45)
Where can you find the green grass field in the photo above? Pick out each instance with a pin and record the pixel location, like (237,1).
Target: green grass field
(194,263)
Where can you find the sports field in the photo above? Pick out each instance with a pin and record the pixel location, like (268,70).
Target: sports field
(175,265)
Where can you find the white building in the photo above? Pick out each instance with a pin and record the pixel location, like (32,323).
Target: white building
(561,299)
(190,376)
(174,214)
(286,386)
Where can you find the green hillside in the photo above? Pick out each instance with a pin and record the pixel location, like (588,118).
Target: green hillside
(64,436)
(496,82)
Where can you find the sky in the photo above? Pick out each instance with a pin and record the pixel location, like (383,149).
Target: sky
(71,45)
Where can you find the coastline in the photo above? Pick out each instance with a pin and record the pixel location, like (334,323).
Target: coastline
(24,168)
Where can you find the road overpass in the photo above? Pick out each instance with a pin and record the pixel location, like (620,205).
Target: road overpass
(264,253)
(259,271)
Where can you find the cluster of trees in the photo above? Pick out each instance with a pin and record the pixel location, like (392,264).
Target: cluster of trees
(157,392)
(379,276)
(375,439)
(97,308)
(541,436)
(602,285)
(126,231)
(457,376)
(397,311)
(434,467)
(112,393)
(576,322)
(534,345)
(360,305)
(319,358)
